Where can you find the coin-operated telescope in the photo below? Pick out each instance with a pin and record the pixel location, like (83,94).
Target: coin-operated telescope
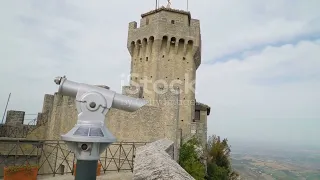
(90,137)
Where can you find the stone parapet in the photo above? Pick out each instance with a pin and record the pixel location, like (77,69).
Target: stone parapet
(154,161)
(15,118)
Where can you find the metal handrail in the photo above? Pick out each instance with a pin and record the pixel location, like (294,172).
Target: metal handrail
(53,157)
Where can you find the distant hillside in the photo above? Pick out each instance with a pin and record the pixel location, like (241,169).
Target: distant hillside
(267,162)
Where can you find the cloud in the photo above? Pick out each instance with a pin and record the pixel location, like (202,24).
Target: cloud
(236,26)
(265,93)
(260,59)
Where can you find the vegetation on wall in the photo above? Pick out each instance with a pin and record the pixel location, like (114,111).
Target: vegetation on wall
(217,165)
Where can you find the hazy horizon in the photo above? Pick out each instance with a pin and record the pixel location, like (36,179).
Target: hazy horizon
(260,70)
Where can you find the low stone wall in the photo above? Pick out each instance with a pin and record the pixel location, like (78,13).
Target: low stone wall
(155,161)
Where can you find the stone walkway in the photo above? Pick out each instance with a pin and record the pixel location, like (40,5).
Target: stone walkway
(107,176)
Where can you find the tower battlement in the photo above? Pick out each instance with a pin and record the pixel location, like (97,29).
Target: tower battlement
(172,27)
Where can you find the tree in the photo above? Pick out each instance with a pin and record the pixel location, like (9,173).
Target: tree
(189,159)
(218,160)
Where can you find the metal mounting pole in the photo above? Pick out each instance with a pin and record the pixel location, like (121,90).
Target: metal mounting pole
(86,170)
(187,5)
(5,110)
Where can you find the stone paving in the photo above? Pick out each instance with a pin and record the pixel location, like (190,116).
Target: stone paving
(107,176)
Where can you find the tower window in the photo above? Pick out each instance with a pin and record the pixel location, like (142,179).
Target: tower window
(184,58)
(197,115)
(173,40)
(172,21)
(147,58)
(162,56)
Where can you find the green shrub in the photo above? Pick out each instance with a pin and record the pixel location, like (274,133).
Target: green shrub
(190,161)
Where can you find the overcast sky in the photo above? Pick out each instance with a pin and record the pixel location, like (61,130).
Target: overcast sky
(260,69)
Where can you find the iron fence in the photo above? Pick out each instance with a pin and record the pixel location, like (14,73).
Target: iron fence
(54,157)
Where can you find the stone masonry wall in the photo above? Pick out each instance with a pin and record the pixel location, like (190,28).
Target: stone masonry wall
(15,118)
(155,161)
(199,128)
(147,124)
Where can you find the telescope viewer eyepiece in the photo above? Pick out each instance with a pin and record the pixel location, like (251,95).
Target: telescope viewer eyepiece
(57,80)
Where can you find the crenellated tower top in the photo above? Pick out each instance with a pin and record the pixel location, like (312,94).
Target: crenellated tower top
(166,23)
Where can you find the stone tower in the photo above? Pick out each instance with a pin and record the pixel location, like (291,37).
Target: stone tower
(166,52)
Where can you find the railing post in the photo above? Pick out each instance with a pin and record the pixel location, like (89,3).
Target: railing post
(74,157)
(16,154)
(42,144)
(105,160)
(119,156)
(133,156)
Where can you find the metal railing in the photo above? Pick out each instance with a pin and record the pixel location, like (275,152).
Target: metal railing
(54,158)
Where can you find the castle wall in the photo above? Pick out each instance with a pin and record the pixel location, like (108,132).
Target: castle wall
(149,123)
(43,118)
(137,126)
(63,117)
(199,128)
(15,118)
(14,127)
(203,130)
